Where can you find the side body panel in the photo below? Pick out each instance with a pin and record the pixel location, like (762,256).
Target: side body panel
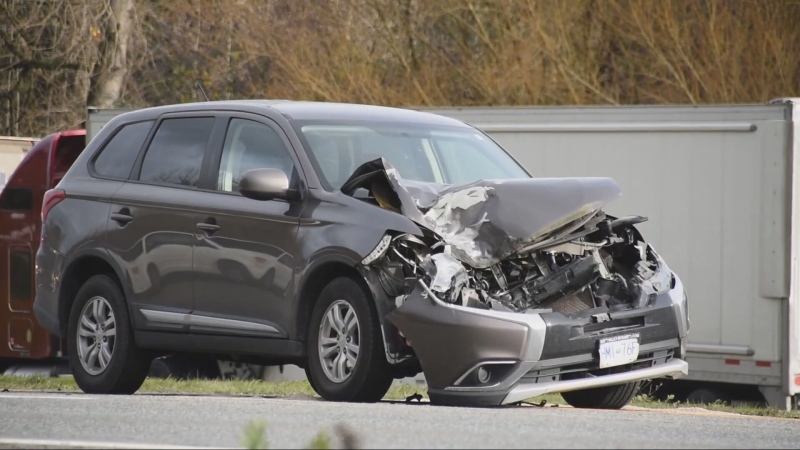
(334,229)
(792,316)
(151,228)
(244,271)
(244,254)
(74,229)
(154,250)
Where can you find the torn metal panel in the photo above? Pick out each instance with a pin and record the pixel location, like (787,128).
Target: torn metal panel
(423,193)
(487,220)
(382,181)
(447,274)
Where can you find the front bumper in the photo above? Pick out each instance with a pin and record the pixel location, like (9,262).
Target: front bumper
(530,354)
(672,369)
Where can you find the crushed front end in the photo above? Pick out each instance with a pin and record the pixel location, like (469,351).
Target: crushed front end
(519,288)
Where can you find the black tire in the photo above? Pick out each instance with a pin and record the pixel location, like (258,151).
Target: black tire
(607,397)
(371,377)
(183,368)
(128,366)
(161,369)
(707,395)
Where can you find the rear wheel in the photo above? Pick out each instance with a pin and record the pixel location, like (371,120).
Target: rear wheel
(606,397)
(183,367)
(102,353)
(346,360)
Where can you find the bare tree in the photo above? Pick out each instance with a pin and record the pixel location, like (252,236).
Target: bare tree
(108,72)
(55,56)
(42,53)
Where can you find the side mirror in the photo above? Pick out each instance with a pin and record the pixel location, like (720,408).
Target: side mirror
(266,184)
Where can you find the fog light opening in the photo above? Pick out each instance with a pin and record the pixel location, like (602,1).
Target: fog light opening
(484,375)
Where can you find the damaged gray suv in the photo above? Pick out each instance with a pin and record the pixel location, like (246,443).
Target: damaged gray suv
(362,243)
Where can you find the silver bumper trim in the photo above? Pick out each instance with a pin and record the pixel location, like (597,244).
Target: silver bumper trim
(673,369)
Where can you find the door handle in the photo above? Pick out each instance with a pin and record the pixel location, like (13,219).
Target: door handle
(209,225)
(123,216)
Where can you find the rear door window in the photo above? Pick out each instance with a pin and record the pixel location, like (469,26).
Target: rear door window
(117,158)
(175,155)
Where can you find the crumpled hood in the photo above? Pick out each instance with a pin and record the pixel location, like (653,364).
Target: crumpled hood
(488,220)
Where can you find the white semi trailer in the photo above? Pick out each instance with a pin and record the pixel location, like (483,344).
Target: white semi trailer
(721,187)
(12,150)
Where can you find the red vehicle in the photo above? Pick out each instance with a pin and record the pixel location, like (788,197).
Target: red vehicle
(30,348)
(20,226)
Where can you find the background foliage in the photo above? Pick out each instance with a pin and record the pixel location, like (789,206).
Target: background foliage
(57,56)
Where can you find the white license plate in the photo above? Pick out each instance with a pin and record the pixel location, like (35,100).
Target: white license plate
(618,350)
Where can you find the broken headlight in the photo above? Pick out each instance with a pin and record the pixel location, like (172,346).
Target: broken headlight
(379,250)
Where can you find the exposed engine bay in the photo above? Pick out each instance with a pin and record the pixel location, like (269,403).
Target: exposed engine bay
(511,245)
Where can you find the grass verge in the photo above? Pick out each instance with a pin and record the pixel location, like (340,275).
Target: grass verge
(255,437)
(747,410)
(399,391)
(198,387)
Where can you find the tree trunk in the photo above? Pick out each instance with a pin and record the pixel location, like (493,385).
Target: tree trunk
(110,71)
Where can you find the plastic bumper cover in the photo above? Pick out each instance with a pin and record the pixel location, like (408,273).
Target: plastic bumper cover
(477,357)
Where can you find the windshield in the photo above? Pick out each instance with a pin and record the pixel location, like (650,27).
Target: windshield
(419,152)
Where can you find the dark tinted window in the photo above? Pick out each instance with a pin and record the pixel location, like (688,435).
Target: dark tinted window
(16,199)
(117,158)
(176,153)
(20,274)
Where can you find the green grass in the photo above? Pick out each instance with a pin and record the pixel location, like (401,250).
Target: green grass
(645,401)
(400,391)
(255,437)
(649,402)
(203,387)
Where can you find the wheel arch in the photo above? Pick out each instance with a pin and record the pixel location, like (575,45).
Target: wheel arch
(78,270)
(317,277)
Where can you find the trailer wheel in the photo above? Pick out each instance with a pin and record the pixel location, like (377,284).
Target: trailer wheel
(708,395)
(606,397)
(102,353)
(180,367)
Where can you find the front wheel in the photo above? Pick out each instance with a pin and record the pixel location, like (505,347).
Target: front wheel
(606,397)
(103,356)
(346,360)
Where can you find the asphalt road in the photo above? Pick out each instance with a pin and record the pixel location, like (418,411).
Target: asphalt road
(204,421)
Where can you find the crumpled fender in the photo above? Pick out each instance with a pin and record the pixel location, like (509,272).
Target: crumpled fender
(487,220)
